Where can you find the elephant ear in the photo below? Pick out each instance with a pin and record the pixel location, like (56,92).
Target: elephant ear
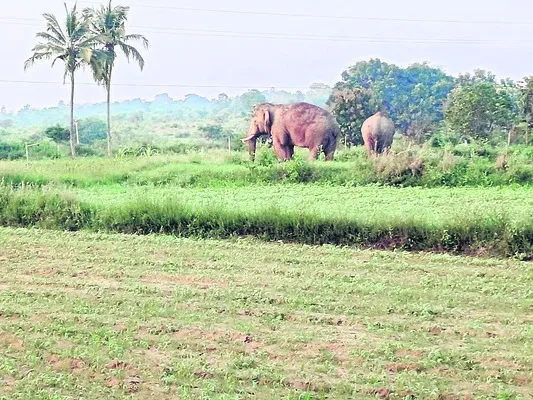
(268,123)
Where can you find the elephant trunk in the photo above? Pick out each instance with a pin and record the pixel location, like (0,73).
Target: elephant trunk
(252,144)
(252,141)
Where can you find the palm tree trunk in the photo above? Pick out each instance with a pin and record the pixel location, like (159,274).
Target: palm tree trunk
(72,148)
(108,87)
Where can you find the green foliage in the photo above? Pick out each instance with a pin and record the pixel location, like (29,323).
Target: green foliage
(16,151)
(476,164)
(413,96)
(246,101)
(11,151)
(351,106)
(25,207)
(318,94)
(214,132)
(57,133)
(91,130)
(526,102)
(479,109)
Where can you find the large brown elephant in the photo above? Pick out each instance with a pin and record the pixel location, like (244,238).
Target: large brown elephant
(378,133)
(301,124)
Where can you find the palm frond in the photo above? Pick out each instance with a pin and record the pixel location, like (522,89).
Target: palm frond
(52,25)
(137,37)
(49,47)
(38,56)
(133,53)
(60,57)
(51,39)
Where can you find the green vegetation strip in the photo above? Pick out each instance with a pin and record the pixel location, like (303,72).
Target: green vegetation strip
(99,316)
(421,167)
(481,221)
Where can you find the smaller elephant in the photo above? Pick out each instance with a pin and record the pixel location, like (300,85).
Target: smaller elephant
(378,133)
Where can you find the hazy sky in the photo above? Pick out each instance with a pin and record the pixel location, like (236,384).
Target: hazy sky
(235,63)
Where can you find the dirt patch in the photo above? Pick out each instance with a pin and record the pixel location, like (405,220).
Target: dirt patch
(117,365)
(492,362)
(156,356)
(133,384)
(237,337)
(382,393)
(183,280)
(56,362)
(454,397)
(12,341)
(74,365)
(522,380)
(211,340)
(112,382)
(435,330)
(401,367)
(198,334)
(120,328)
(203,375)
(8,383)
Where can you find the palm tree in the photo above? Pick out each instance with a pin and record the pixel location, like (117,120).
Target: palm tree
(74,46)
(109,23)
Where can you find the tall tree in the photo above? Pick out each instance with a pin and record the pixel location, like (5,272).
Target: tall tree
(73,44)
(413,96)
(526,104)
(110,24)
(479,108)
(351,106)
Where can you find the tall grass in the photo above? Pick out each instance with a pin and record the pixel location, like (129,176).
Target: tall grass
(27,207)
(411,167)
(493,233)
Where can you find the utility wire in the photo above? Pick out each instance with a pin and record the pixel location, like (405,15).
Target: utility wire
(302,37)
(345,17)
(8,81)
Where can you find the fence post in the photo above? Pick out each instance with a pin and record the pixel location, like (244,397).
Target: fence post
(28,152)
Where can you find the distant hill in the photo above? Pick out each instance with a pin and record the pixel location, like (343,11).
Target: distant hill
(191,107)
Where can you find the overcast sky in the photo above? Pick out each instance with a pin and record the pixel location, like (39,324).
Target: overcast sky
(231,61)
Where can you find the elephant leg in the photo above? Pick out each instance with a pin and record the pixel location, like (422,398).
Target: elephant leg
(329,155)
(279,150)
(379,146)
(313,153)
(290,151)
(329,149)
(282,152)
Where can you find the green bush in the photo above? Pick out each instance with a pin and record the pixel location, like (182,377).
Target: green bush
(11,151)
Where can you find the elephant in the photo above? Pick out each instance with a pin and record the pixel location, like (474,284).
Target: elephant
(300,124)
(378,133)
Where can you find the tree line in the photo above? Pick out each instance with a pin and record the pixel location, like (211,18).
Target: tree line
(422,100)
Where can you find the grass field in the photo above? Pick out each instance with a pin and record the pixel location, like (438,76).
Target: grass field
(87,315)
